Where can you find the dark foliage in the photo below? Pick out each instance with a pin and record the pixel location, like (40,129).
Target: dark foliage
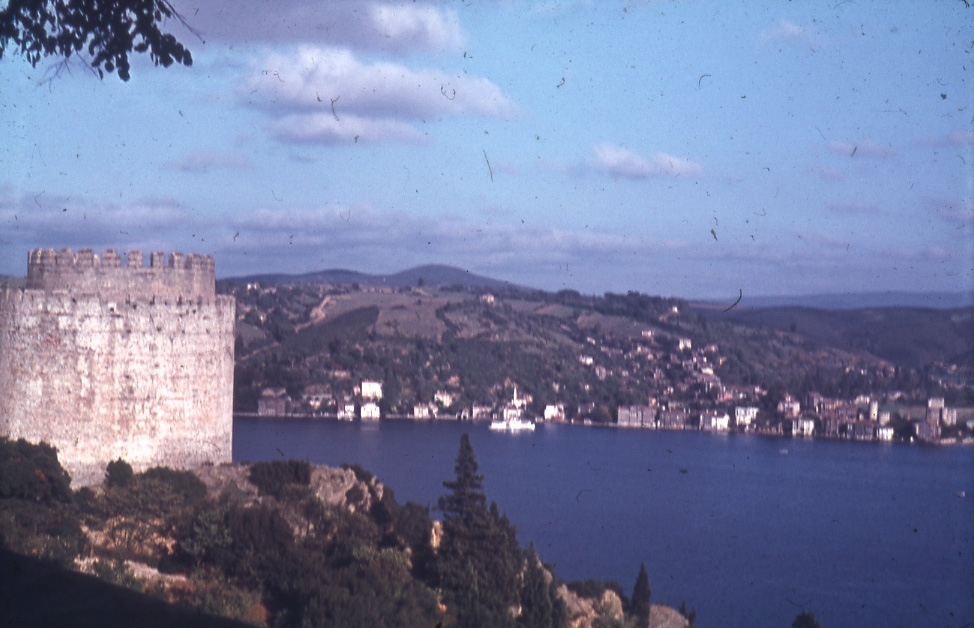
(148,507)
(315,338)
(107,31)
(32,472)
(273,478)
(118,473)
(479,559)
(540,605)
(182,483)
(805,619)
(37,511)
(641,595)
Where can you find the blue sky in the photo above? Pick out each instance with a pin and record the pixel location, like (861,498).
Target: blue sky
(693,148)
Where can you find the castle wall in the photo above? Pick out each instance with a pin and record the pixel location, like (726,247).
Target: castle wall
(117,366)
(84,273)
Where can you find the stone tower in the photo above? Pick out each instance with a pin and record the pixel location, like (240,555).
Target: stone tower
(105,361)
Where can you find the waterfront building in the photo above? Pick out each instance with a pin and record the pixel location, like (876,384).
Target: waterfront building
(370,411)
(745,415)
(804,426)
(714,421)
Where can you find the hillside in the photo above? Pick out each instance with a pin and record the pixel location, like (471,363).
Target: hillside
(282,543)
(475,343)
(912,337)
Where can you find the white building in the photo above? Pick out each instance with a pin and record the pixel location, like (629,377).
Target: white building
(802,427)
(421,411)
(744,415)
(554,412)
(346,411)
(443,398)
(371,390)
(789,407)
(370,411)
(714,421)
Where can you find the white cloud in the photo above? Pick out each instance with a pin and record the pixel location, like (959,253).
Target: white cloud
(328,95)
(788,31)
(314,77)
(359,24)
(416,25)
(861,149)
(204,161)
(45,220)
(621,162)
(324,128)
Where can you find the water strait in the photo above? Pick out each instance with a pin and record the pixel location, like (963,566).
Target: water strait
(749,530)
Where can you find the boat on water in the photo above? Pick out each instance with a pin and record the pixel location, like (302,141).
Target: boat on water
(512,425)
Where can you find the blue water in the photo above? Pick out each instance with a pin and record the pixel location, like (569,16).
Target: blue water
(749,530)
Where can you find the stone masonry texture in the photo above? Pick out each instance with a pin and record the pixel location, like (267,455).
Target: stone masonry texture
(105,361)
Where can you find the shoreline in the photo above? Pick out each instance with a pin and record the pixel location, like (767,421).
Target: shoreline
(765,433)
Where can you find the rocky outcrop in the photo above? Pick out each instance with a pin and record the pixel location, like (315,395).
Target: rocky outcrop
(584,612)
(661,616)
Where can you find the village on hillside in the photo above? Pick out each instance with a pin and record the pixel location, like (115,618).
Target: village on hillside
(595,366)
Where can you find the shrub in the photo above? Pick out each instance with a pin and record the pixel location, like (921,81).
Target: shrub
(118,473)
(32,472)
(37,512)
(273,478)
(182,483)
(116,572)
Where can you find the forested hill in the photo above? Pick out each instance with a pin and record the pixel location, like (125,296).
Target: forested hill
(598,352)
(911,337)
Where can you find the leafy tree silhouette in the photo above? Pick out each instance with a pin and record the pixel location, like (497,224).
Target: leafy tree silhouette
(106,30)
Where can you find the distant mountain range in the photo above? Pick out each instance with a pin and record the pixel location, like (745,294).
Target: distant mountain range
(433,275)
(439,275)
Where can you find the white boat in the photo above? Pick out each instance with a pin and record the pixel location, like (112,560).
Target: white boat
(512,425)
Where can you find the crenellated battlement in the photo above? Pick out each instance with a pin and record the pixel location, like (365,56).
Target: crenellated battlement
(84,273)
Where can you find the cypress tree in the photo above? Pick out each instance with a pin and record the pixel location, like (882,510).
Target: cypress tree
(641,595)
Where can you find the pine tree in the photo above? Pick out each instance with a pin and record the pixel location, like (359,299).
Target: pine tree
(641,595)
(479,559)
(465,506)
